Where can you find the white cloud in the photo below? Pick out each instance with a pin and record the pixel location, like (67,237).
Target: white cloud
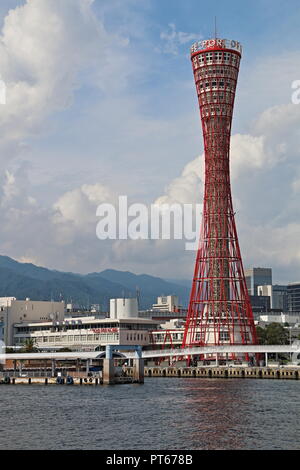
(247,153)
(173,39)
(45,62)
(46,48)
(79,206)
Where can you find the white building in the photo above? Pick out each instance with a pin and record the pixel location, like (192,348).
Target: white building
(280,318)
(123,308)
(20,311)
(80,333)
(86,333)
(168,303)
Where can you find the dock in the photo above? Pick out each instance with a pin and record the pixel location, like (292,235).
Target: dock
(287,373)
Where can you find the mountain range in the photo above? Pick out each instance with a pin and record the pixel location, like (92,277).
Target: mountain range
(22,280)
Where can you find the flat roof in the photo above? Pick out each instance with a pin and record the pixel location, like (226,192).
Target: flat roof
(84,321)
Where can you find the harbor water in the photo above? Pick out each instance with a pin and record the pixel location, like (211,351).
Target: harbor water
(164,413)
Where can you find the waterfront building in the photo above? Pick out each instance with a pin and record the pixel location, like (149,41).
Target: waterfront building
(86,333)
(23,311)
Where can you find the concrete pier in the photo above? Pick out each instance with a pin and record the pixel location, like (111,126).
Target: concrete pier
(108,374)
(138,370)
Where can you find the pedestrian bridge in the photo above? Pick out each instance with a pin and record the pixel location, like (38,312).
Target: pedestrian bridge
(222,350)
(158,353)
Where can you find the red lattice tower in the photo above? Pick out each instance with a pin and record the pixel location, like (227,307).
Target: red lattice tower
(219,310)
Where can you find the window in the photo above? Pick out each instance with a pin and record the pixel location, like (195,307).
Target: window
(198,336)
(219,57)
(224,336)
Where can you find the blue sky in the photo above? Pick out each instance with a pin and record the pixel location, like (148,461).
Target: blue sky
(101,102)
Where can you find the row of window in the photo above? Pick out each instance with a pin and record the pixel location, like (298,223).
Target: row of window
(87,326)
(216,85)
(207,98)
(83,338)
(226,72)
(226,316)
(160,337)
(216,110)
(223,336)
(71,338)
(207,58)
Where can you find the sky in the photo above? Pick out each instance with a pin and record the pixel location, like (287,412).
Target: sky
(100,102)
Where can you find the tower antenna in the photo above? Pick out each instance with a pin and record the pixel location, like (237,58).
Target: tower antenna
(215,27)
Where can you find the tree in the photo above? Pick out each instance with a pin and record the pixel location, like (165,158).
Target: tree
(261,335)
(274,333)
(29,345)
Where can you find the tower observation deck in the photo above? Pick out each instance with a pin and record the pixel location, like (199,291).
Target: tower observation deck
(219,310)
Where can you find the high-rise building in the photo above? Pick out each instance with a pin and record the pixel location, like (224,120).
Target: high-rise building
(277,295)
(293,297)
(279,298)
(257,277)
(219,309)
(260,304)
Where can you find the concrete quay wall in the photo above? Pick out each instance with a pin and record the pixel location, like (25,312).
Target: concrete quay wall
(224,372)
